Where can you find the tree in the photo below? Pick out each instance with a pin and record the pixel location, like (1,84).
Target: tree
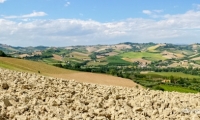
(2,54)
(172,79)
(112,71)
(93,56)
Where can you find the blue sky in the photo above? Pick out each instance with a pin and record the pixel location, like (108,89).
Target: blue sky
(75,22)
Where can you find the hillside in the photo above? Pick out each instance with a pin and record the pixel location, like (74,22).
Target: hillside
(117,54)
(48,70)
(25,96)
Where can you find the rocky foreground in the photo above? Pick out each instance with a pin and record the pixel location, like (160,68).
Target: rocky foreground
(25,96)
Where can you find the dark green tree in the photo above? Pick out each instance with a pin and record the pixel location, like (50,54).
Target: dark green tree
(2,54)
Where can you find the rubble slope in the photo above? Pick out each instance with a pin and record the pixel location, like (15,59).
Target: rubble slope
(28,96)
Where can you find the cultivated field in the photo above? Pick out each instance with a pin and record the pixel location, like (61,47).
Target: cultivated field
(91,49)
(197,58)
(80,55)
(177,88)
(116,60)
(143,61)
(121,46)
(48,70)
(144,55)
(175,74)
(97,78)
(57,57)
(112,53)
(153,48)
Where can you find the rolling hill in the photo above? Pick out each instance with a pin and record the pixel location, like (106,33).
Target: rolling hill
(125,60)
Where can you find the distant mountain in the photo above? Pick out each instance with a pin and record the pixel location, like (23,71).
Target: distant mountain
(12,49)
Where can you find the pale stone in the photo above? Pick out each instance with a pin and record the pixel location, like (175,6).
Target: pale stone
(31,96)
(195,117)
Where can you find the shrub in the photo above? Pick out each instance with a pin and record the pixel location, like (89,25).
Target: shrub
(158,88)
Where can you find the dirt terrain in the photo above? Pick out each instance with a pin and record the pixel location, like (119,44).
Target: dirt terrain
(170,55)
(25,96)
(197,58)
(140,60)
(121,46)
(57,57)
(97,78)
(91,49)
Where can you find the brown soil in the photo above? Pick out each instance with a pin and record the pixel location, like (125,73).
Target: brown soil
(57,57)
(100,56)
(122,46)
(170,55)
(24,55)
(37,53)
(112,53)
(91,49)
(197,58)
(79,54)
(97,78)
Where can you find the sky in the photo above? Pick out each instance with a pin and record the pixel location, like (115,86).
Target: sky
(91,22)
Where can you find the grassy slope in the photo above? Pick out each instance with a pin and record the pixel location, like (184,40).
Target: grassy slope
(31,66)
(48,70)
(177,89)
(175,74)
(197,61)
(116,60)
(50,60)
(153,48)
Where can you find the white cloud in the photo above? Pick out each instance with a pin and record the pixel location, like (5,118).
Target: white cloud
(33,14)
(67,4)
(148,12)
(152,13)
(158,11)
(2,1)
(196,6)
(10,17)
(180,28)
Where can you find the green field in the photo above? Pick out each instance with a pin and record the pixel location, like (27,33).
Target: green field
(175,74)
(117,60)
(177,89)
(144,55)
(153,48)
(96,63)
(187,52)
(50,61)
(197,62)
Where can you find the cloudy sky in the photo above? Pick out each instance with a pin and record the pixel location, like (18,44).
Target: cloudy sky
(86,22)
